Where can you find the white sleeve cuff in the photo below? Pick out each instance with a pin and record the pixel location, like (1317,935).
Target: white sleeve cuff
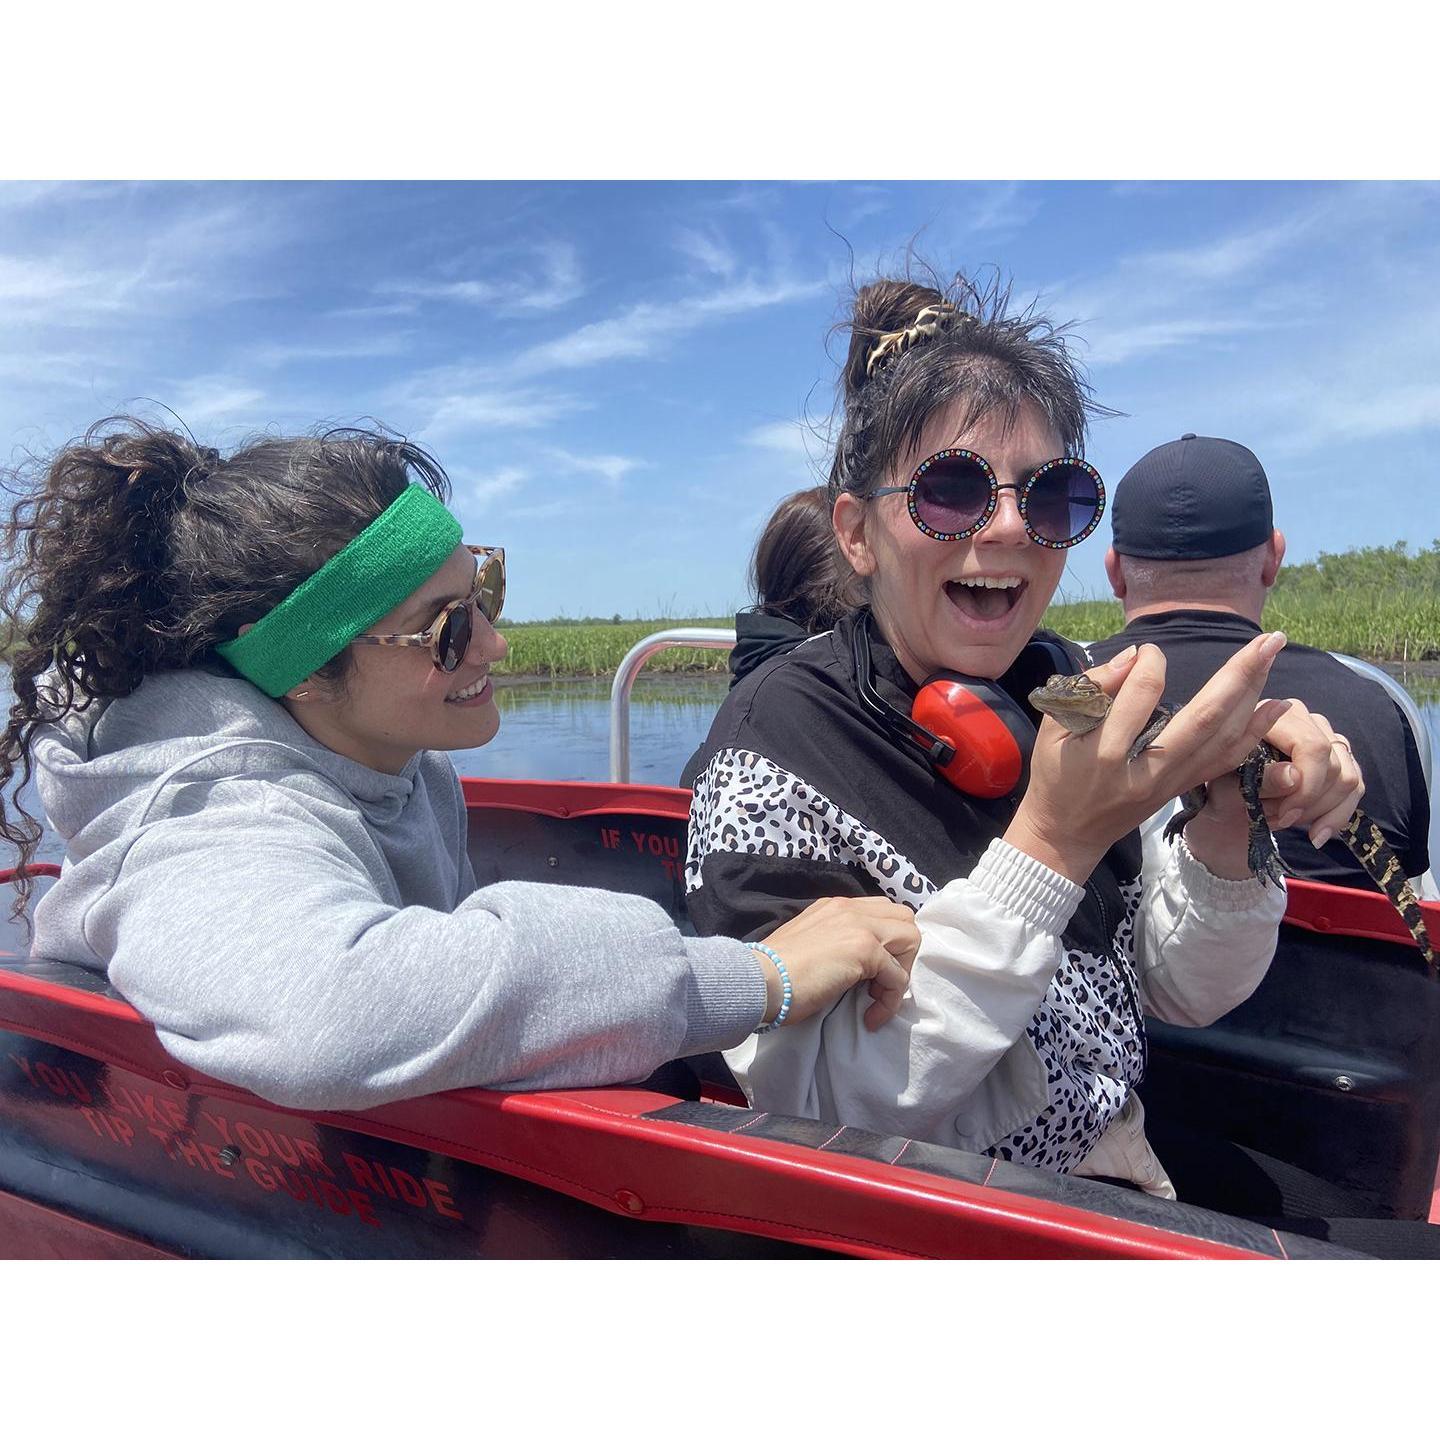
(1213,892)
(1026,887)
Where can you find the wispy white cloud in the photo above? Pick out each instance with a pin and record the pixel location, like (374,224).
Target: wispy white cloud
(464,413)
(610,468)
(647,328)
(707,250)
(1401,410)
(1157,300)
(562,280)
(196,254)
(1110,345)
(368,348)
(1273,339)
(790,438)
(214,402)
(1140,189)
(204,235)
(70,369)
(19,194)
(373,312)
(16,195)
(457,402)
(557,281)
(111,298)
(32,288)
(1004,206)
(1229,257)
(1364,393)
(1256,276)
(862,202)
(478,490)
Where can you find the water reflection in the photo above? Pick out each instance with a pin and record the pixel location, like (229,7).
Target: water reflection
(560,730)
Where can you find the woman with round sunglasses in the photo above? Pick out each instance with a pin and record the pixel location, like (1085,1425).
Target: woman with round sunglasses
(1048,929)
(234,682)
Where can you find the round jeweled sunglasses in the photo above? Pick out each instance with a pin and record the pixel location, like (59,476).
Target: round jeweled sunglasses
(955,492)
(449,637)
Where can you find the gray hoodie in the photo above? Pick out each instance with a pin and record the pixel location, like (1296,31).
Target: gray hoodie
(296,923)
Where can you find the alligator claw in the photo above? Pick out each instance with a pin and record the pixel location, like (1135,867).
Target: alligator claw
(1264,859)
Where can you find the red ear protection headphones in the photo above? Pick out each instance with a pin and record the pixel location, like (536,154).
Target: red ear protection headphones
(971,730)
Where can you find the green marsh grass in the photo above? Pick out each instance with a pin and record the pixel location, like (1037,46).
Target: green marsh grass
(596,647)
(1381,603)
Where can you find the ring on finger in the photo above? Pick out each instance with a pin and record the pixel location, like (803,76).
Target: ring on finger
(1341,740)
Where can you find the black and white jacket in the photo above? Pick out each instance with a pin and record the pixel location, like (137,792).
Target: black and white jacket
(1022,1033)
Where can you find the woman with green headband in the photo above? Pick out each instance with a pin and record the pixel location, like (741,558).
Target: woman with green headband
(234,679)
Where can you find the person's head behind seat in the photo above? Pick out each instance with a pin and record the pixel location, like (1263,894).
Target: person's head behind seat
(796,572)
(1193,528)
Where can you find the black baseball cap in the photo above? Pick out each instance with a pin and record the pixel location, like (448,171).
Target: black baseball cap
(1195,498)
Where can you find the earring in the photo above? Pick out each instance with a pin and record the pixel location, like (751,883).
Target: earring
(299,694)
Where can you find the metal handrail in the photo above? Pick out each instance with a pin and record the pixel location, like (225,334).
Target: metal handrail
(696,638)
(1402,697)
(700,638)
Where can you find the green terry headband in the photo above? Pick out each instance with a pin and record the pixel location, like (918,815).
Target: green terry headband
(396,553)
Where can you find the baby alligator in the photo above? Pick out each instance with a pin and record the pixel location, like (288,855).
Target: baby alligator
(1079,704)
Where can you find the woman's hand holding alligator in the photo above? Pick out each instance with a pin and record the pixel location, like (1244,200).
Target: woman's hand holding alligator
(1086,791)
(1318,788)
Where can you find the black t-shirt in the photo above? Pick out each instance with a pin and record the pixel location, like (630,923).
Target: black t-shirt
(1196,643)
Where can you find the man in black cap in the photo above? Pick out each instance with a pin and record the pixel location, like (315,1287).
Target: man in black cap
(1194,554)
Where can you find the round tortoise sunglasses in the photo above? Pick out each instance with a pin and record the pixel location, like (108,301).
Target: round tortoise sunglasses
(449,637)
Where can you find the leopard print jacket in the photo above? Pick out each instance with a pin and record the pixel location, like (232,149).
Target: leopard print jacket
(799,793)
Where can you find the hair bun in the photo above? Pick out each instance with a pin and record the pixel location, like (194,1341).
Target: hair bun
(932,320)
(156,464)
(883,307)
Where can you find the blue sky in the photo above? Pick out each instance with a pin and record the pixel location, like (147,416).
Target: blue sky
(623,379)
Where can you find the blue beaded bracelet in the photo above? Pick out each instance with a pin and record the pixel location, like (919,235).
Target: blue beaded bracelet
(787,993)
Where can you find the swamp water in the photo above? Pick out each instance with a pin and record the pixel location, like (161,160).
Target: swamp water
(560,730)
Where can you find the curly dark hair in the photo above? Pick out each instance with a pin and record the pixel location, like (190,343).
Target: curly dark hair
(135,550)
(993,360)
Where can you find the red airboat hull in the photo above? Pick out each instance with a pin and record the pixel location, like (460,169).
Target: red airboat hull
(111,1149)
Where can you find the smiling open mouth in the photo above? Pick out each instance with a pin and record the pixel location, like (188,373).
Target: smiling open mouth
(473,691)
(985,598)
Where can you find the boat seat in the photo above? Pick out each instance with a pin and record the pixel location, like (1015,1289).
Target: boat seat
(612,837)
(1333,1064)
(1001,1175)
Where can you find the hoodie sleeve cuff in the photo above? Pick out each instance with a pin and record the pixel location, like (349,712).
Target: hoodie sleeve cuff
(1026,887)
(1215,893)
(725,999)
